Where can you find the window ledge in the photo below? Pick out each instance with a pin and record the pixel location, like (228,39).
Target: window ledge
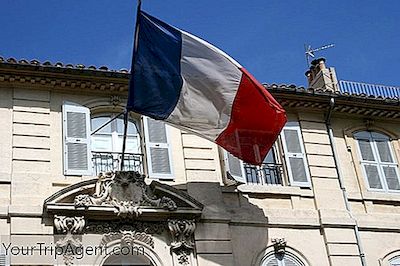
(385,196)
(270,189)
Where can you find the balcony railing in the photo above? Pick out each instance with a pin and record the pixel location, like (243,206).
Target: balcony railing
(111,161)
(369,89)
(266,174)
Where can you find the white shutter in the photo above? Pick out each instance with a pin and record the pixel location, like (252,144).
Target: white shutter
(4,257)
(158,149)
(76,139)
(234,167)
(295,156)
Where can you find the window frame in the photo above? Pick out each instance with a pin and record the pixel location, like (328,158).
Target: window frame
(281,158)
(141,135)
(280,259)
(269,252)
(377,162)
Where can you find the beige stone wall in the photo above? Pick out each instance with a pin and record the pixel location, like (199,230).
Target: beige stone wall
(238,221)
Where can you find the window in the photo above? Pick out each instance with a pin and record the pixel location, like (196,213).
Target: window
(395,261)
(286,259)
(288,151)
(106,144)
(89,154)
(377,160)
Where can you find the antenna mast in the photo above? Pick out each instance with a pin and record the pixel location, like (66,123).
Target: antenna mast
(310,51)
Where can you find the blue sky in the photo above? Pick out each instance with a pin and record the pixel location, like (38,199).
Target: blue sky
(266,37)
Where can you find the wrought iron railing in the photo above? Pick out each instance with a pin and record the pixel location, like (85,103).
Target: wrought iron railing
(266,174)
(111,161)
(369,89)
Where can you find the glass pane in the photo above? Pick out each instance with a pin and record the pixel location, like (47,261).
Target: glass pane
(366,150)
(373,176)
(376,135)
(391,177)
(270,158)
(384,151)
(298,169)
(362,135)
(120,127)
(101,143)
(97,122)
(132,144)
(292,141)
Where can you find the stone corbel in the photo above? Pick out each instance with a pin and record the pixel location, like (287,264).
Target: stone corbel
(68,227)
(182,232)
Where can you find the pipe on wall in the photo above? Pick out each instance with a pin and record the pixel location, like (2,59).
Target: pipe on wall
(340,178)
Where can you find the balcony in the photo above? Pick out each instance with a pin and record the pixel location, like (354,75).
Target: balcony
(266,174)
(111,161)
(369,89)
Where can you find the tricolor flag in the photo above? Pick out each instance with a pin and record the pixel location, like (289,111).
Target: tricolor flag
(187,82)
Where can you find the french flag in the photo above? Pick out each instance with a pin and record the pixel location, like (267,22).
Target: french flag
(189,83)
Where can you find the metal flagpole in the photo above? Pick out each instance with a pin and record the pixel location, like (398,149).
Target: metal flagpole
(126,113)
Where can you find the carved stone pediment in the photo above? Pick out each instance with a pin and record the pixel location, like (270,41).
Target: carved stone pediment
(123,195)
(126,191)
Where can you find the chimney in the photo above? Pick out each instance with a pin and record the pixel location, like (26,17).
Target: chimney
(321,77)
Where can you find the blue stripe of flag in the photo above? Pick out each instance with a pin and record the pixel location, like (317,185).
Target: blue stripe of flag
(156,83)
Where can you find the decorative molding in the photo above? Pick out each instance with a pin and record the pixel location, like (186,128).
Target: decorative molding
(127,238)
(115,100)
(182,238)
(279,245)
(69,226)
(100,227)
(126,191)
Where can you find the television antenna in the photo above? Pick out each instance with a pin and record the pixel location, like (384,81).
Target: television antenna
(310,51)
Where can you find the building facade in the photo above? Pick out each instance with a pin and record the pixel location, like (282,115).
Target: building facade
(328,192)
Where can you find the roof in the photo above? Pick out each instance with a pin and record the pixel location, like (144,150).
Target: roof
(117,80)
(361,97)
(291,96)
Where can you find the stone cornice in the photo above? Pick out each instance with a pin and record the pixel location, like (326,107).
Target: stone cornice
(57,78)
(317,100)
(36,75)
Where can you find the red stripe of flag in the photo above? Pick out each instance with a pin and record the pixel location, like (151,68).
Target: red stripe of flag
(256,121)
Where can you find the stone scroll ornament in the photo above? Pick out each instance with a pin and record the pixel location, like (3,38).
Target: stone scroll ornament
(126,191)
(68,227)
(182,238)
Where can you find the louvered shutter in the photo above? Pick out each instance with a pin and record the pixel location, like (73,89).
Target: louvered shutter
(287,261)
(76,139)
(295,156)
(158,149)
(4,257)
(389,168)
(272,262)
(234,167)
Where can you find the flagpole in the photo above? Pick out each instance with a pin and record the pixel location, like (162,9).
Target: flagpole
(126,112)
